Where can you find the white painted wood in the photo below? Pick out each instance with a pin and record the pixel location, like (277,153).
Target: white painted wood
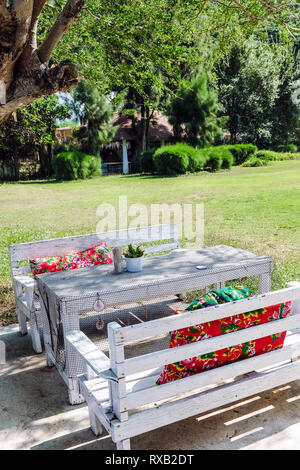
(164,325)
(123,445)
(25,281)
(75,397)
(99,387)
(35,335)
(178,400)
(168,413)
(147,379)
(117,389)
(25,251)
(22,320)
(56,246)
(296,302)
(155,393)
(167,356)
(93,357)
(95,423)
(162,247)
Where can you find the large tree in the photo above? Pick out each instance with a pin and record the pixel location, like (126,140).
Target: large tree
(26,70)
(193,112)
(248,87)
(95,112)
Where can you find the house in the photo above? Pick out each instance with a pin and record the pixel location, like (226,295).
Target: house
(120,155)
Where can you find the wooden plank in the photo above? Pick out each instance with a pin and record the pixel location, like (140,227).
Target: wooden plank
(147,420)
(99,387)
(164,325)
(117,390)
(167,356)
(143,395)
(162,247)
(56,246)
(91,355)
(18,271)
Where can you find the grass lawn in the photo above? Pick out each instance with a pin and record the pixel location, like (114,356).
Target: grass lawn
(253,208)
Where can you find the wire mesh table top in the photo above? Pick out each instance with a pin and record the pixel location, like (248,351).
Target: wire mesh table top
(156,269)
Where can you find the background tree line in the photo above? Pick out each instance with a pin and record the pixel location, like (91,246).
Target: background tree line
(208,66)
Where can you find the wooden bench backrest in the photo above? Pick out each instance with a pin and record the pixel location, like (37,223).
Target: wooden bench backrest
(57,246)
(118,336)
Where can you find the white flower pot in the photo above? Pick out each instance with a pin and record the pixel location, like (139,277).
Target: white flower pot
(134,265)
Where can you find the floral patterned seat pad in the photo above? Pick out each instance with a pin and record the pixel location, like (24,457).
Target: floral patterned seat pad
(202,331)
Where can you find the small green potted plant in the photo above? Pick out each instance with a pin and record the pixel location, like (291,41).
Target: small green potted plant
(133,258)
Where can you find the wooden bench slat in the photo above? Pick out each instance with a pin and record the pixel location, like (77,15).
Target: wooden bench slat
(177,410)
(93,357)
(164,325)
(56,246)
(142,388)
(167,356)
(141,397)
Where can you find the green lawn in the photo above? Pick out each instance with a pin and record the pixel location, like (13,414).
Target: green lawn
(253,208)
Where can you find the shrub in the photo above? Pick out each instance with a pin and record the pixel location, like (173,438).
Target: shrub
(75,165)
(270,155)
(217,158)
(197,159)
(181,158)
(255,161)
(241,152)
(173,159)
(290,148)
(145,161)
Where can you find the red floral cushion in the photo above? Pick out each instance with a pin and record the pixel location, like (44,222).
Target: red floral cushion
(221,357)
(98,254)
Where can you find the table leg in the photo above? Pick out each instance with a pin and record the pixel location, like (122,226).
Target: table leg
(264,284)
(73,363)
(75,397)
(219,285)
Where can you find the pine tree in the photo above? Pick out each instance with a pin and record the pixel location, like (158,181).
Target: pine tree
(96,113)
(193,112)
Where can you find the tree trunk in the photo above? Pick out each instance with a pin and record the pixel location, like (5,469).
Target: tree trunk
(46,152)
(16,165)
(25,74)
(147,126)
(143,126)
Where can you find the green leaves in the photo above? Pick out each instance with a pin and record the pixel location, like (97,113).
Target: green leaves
(193,112)
(134,252)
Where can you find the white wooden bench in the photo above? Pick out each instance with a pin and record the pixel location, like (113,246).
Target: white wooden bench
(121,393)
(25,286)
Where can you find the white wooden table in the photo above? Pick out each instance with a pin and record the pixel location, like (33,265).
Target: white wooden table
(66,294)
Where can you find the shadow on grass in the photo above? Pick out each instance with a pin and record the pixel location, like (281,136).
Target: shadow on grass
(44,181)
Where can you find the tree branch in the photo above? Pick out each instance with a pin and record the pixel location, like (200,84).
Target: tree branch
(61,25)
(31,85)
(28,55)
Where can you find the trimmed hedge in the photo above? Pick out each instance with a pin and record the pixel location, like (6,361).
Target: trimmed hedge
(173,159)
(182,158)
(218,157)
(241,152)
(75,165)
(197,160)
